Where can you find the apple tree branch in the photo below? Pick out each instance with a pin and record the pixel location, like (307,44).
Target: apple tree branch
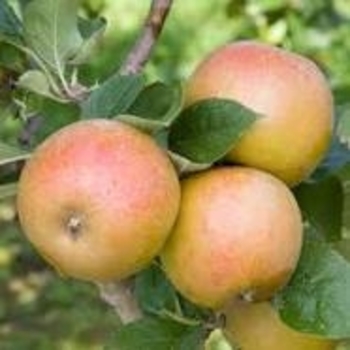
(119,295)
(142,49)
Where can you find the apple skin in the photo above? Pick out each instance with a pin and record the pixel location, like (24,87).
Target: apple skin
(288,91)
(98,200)
(238,232)
(255,326)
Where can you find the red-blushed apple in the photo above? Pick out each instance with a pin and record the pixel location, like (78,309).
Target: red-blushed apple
(238,232)
(257,326)
(289,92)
(98,199)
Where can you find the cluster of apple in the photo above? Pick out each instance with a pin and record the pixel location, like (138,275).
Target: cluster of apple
(100,199)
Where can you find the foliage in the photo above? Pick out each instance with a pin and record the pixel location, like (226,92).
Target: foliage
(316,300)
(39,310)
(65,70)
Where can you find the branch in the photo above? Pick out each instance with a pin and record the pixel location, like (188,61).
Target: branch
(30,129)
(140,53)
(120,297)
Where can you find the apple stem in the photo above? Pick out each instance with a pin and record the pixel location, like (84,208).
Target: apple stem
(119,295)
(142,49)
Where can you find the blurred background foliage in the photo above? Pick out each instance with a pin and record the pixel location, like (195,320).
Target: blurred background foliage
(316,28)
(39,310)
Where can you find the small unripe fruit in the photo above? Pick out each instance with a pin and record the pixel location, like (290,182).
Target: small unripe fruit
(288,90)
(98,199)
(257,326)
(239,232)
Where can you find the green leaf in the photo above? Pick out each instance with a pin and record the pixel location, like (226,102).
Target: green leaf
(345,177)
(186,166)
(55,116)
(154,108)
(336,159)
(8,190)
(89,27)
(317,299)
(113,97)
(11,154)
(10,26)
(91,32)
(156,296)
(217,341)
(154,292)
(147,125)
(207,130)
(51,30)
(12,58)
(192,340)
(338,155)
(158,102)
(37,82)
(322,204)
(151,334)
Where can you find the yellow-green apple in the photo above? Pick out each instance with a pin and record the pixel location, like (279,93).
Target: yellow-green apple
(257,326)
(98,199)
(238,232)
(289,92)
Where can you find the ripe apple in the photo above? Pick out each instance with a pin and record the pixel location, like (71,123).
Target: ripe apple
(288,90)
(238,232)
(255,326)
(98,199)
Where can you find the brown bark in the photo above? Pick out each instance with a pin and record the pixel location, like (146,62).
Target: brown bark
(142,49)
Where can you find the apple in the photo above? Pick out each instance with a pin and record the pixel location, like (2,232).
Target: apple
(238,233)
(255,326)
(289,92)
(98,199)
